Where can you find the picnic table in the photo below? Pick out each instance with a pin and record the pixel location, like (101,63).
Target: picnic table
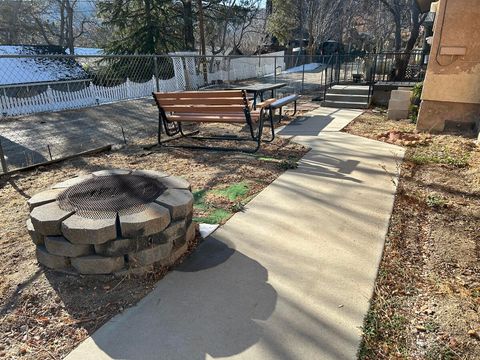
(259,89)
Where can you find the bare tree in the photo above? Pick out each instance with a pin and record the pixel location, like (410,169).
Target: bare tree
(406,15)
(325,20)
(227,23)
(17,21)
(59,23)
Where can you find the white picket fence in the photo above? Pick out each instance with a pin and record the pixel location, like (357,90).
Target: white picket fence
(90,95)
(186,77)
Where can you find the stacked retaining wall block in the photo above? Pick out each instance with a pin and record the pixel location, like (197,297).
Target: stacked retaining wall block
(132,243)
(399,104)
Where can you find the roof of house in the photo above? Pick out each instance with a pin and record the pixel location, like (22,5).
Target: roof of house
(18,70)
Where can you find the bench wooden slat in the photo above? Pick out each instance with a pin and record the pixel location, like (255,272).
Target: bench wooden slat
(255,115)
(218,119)
(266,103)
(202,101)
(204,109)
(198,94)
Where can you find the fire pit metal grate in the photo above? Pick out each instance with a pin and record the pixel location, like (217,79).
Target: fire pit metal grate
(105,196)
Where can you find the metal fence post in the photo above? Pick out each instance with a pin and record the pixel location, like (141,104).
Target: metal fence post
(303,74)
(2,159)
(155,69)
(275,69)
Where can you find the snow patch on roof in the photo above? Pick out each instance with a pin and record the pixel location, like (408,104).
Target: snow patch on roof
(36,69)
(86,51)
(306,67)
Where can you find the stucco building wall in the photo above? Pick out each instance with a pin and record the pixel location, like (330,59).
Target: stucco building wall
(451,89)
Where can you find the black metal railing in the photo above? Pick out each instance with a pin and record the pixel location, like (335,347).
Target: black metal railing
(369,69)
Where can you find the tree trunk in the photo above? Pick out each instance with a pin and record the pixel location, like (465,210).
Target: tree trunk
(188,25)
(268,12)
(201,27)
(61,39)
(12,30)
(398,32)
(268,7)
(402,64)
(69,27)
(150,40)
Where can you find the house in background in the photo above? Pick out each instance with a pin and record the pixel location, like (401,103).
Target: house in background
(451,90)
(29,76)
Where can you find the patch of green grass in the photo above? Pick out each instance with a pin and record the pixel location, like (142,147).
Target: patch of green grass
(215,217)
(266,158)
(234,191)
(476,293)
(378,329)
(423,156)
(199,199)
(370,326)
(285,164)
(432,326)
(288,164)
(440,352)
(435,200)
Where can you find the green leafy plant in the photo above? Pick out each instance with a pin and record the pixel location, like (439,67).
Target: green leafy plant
(417,90)
(288,164)
(415,99)
(413,113)
(234,191)
(238,206)
(435,200)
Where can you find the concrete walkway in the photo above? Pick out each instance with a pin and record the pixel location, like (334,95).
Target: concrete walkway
(289,278)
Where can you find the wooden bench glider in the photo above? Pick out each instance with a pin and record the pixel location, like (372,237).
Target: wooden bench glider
(229,106)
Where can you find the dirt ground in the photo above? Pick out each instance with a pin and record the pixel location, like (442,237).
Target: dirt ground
(43,314)
(427,297)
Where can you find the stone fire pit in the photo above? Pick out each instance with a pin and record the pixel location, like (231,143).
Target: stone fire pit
(112,222)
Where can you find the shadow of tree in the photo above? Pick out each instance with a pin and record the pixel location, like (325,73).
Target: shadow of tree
(216,309)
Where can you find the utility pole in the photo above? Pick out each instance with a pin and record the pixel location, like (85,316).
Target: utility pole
(203,50)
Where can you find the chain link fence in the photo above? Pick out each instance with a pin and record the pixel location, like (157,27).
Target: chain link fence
(54,106)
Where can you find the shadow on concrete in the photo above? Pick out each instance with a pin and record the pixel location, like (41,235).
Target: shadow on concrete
(308,125)
(206,306)
(298,127)
(18,155)
(321,164)
(209,254)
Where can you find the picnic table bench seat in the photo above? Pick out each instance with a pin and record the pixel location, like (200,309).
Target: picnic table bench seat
(280,103)
(227,106)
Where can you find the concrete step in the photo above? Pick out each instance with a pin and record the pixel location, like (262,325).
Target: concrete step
(348,89)
(345,104)
(346,97)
